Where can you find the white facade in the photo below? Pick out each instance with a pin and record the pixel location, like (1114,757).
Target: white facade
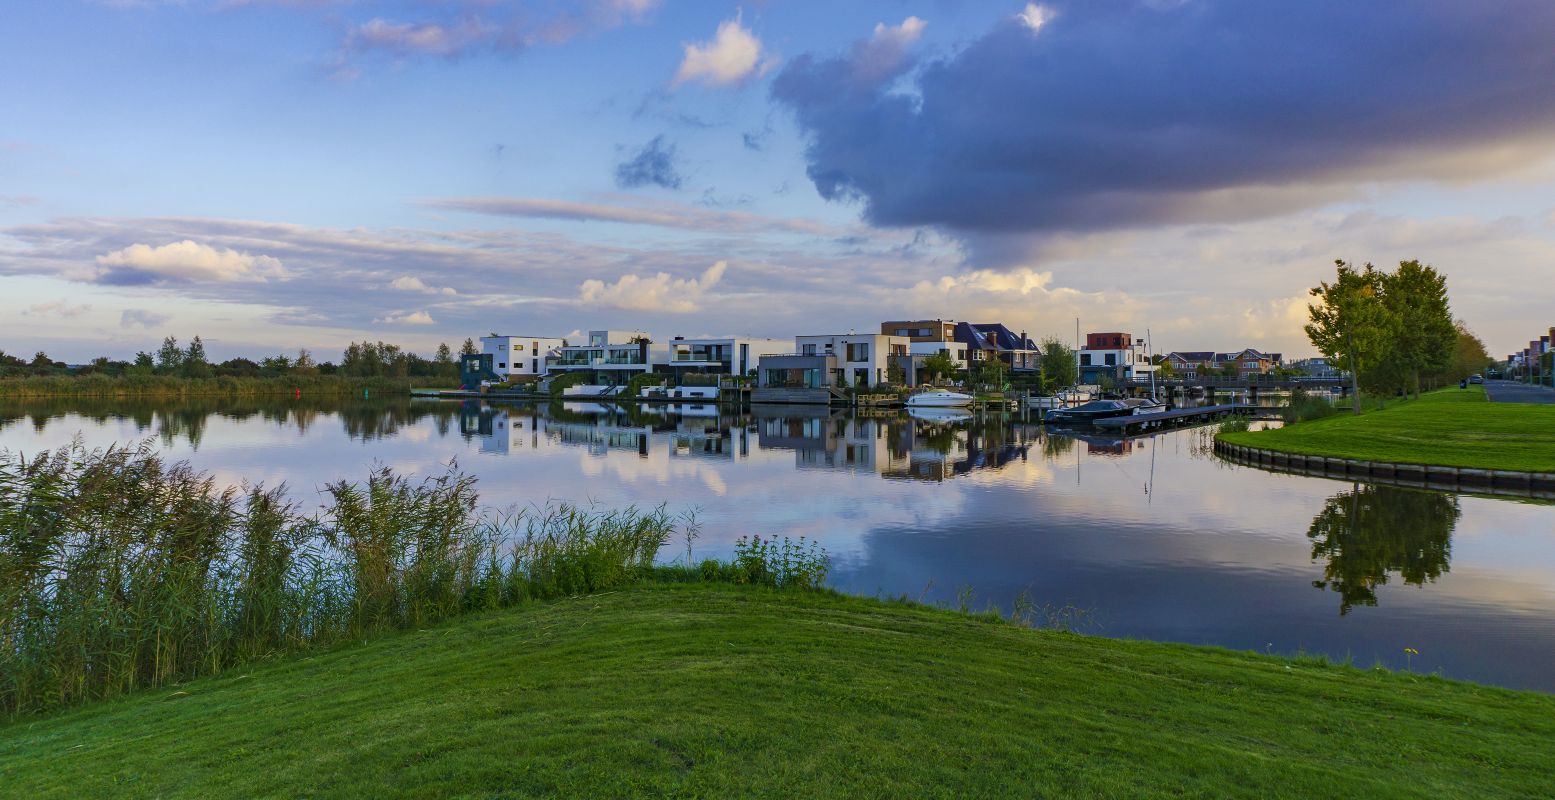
(730,355)
(516,356)
(612,352)
(1134,361)
(862,358)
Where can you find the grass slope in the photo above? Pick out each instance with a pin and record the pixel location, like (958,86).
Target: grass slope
(719,691)
(1449,427)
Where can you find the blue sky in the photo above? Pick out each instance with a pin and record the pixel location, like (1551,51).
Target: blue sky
(272,174)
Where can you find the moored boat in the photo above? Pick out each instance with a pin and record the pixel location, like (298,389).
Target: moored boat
(939,398)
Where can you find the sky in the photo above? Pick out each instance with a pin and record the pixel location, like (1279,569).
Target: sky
(276,174)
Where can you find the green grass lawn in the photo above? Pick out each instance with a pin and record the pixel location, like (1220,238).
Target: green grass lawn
(720,691)
(1449,427)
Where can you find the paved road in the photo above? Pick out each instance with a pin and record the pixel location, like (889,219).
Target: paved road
(1509,392)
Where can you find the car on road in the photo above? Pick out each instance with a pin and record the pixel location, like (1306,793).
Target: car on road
(1476,379)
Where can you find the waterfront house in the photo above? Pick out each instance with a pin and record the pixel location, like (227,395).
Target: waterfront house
(609,360)
(1249,362)
(729,355)
(521,358)
(926,338)
(862,360)
(986,340)
(1316,367)
(1116,356)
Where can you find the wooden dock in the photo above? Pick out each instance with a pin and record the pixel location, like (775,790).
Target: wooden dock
(1178,418)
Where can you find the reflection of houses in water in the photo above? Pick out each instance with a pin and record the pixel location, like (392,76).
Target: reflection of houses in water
(603,428)
(895,447)
(1104,445)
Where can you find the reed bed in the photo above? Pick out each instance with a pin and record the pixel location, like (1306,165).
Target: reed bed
(120,571)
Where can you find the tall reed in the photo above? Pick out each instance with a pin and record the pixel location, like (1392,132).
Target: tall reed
(121,571)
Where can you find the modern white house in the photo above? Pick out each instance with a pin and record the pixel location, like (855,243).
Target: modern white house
(862,359)
(521,356)
(609,358)
(728,355)
(1118,356)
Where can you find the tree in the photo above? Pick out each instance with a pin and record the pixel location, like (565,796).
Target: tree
(1424,336)
(194,363)
(1350,324)
(989,372)
(894,373)
(145,364)
(304,364)
(468,348)
(170,357)
(939,366)
(1060,366)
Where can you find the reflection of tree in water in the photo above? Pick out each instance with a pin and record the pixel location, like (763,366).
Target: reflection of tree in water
(1054,444)
(173,421)
(1372,531)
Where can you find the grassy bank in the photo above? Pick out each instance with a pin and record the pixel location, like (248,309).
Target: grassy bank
(172,387)
(711,690)
(1448,427)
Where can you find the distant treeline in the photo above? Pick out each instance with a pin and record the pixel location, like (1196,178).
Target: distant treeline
(182,371)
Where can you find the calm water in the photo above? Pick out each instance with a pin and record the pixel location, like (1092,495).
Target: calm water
(1154,537)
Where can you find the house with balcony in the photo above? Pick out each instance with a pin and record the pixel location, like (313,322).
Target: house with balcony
(1190,364)
(521,358)
(1248,362)
(730,355)
(609,360)
(986,340)
(1116,357)
(861,360)
(926,338)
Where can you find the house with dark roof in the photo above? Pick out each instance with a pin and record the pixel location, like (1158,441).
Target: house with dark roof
(993,340)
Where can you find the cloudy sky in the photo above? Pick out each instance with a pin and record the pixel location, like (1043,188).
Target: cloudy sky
(281,173)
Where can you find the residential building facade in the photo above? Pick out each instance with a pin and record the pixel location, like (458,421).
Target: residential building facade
(986,340)
(1115,356)
(521,357)
(720,356)
(861,359)
(610,358)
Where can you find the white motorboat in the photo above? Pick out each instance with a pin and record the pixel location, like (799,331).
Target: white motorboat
(939,398)
(939,415)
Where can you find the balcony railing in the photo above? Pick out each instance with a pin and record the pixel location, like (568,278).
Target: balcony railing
(699,357)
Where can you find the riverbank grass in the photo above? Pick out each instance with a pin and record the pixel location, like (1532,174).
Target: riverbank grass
(699,689)
(1448,427)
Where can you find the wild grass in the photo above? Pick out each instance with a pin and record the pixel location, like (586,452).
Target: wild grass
(1304,406)
(120,571)
(170,386)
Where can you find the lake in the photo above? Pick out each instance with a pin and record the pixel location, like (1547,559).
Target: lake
(1151,538)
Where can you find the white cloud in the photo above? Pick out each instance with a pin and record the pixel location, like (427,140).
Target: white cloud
(660,292)
(886,51)
(406,318)
(409,283)
(733,55)
(184,261)
(1035,16)
(57,308)
(139,317)
(425,38)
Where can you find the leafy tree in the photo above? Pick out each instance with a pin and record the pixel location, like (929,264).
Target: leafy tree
(895,374)
(1423,334)
(170,357)
(145,364)
(1350,324)
(194,363)
(939,366)
(1060,365)
(988,372)
(468,348)
(304,364)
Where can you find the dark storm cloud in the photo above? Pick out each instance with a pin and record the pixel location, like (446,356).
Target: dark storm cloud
(1131,113)
(654,165)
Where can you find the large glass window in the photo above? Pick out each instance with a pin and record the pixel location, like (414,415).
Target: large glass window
(858,351)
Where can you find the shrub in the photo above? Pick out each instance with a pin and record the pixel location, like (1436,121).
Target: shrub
(1304,406)
(780,562)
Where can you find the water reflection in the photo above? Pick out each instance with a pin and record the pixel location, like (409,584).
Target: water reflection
(1157,536)
(1367,533)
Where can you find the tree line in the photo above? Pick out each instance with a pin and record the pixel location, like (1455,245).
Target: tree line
(359,360)
(1392,331)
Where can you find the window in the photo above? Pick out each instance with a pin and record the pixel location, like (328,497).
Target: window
(534,365)
(1085,359)
(502,365)
(903,332)
(858,351)
(925,332)
(1112,359)
(808,350)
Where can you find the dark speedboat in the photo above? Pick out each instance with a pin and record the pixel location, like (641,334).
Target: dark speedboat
(1090,412)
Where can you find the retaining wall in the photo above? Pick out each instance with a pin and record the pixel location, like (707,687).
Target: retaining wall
(1512,483)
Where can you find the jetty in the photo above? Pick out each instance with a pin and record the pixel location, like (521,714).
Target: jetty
(1178,418)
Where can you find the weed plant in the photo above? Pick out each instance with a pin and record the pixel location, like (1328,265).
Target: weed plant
(120,571)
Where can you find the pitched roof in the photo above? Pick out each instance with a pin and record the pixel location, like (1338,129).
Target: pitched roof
(1192,355)
(991,336)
